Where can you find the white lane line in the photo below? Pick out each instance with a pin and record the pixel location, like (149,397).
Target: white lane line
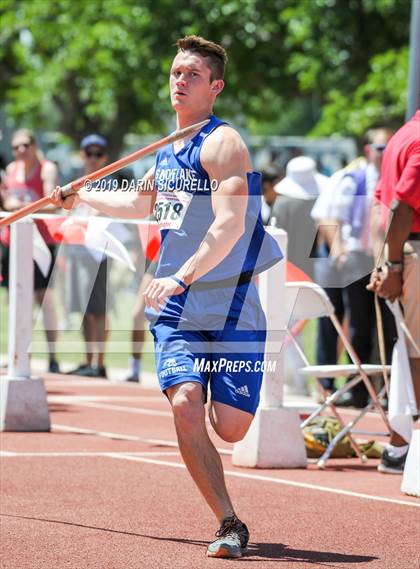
(92,382)
(9,454)
(117,436)
(76,383)
(99,398)
(142,457)
(105,434)
(147,460)
(76,402)
(275,480)
(148,385)
(137,410)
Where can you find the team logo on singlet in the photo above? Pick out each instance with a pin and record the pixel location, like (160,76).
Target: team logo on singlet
(181,180)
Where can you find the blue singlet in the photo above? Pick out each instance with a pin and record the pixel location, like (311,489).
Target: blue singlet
(215,331)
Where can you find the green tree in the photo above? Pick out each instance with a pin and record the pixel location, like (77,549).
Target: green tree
(104,65)
(380,99)
(352,56)
(295,65)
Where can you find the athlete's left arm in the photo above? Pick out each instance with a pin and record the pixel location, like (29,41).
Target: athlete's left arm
(226,160)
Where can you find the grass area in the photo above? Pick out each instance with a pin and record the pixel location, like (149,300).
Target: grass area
(70,345)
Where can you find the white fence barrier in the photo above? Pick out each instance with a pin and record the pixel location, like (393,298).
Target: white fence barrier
(274,439)
(23,400)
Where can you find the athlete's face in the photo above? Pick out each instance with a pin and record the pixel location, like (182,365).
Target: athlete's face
(190,84)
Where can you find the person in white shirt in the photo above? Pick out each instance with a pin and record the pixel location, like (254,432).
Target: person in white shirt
(343,213)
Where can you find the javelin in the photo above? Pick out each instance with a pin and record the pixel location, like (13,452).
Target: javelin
(75,186)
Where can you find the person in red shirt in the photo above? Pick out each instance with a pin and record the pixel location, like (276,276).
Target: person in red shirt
(26,179)
(396,222)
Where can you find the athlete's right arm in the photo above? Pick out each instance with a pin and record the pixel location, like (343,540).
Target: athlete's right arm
(129,204)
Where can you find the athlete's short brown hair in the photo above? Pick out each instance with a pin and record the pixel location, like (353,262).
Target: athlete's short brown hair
(216,54)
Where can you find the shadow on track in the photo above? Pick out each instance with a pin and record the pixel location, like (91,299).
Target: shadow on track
(279,551)
(256,551)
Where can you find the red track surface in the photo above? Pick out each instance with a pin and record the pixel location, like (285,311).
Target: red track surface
(112,498)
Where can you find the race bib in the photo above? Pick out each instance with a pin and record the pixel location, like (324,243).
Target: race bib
(171,207)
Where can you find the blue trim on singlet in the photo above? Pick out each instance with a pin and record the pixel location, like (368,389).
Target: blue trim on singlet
(254,252)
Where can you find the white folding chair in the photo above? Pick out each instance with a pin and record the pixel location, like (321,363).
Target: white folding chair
(306,301)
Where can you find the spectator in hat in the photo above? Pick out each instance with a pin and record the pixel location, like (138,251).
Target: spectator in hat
(298,192)
(88,274)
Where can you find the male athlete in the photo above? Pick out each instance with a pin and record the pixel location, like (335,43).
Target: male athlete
(206,318)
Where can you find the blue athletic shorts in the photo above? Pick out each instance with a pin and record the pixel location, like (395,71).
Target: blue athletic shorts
(216,338)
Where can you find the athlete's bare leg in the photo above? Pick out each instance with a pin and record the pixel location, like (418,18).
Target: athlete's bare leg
(197,450)
(229,423)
